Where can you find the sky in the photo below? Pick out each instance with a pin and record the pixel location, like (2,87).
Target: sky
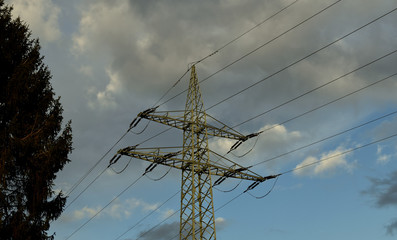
(318,79)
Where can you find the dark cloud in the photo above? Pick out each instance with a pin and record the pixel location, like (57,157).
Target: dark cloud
(164,232)
(384,191)
(169,230)
(392,228)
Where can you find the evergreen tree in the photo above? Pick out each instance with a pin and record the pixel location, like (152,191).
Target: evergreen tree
(33,144)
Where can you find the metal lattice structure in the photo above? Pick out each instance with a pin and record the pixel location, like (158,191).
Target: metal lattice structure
(197,220)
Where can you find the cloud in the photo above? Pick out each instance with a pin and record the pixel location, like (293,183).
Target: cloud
(384,192)
(85,212)
(333,160)
(118,210)
(382,158)
(220,223)
(105,99)
(391,228)
(42,16)
(169,230)
(163,232)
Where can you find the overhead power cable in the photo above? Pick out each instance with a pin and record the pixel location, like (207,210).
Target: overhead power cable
(85,189)
(357,29)
(326,104)
(246,32)
(340,154)
(289,171)
(304,166)
(158,224)
(94,166)
(256,49)
(326,138)
(100,174)
(222,47)
(289,152)
(326,84)
(312,110)
(151,212)
(301,59)
(96,214)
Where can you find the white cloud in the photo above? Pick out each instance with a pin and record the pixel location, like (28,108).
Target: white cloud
(221,145)
(41,16)
(167,213)
(326,164)
(107,98)
(381,157)
(117,210)
(85,212)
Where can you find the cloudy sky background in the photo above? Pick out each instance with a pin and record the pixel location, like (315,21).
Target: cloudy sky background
(111,60)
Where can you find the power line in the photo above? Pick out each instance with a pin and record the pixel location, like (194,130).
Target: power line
(323,85)
(100,174)
(89,185)
(222,47)
(246,32)
(323,105)
(341,154)
(92,168)
(256,49)
(96,214)
(300,115)
(326,138)
(302,147)
(142,219)
(297,149)
(357,29)
(301,59)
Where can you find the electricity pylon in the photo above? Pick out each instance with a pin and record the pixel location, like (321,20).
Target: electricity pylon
(197,220)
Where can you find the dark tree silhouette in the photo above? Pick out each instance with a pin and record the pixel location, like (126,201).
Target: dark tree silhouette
(34,146)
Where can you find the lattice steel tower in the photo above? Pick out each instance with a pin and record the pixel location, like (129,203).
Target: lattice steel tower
(197,220)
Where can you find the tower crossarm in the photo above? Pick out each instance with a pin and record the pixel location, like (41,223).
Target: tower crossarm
(170,119)
(157,156)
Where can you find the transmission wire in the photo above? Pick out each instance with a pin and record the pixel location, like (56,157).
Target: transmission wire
(219,49)
(92,168)
(142,219)
(256,49)
(323,105)
(341,154)
(323,160)
(326,138)
(230,42)
(246,32)
(301,59)
(282,68)
(96,214)
(371,121)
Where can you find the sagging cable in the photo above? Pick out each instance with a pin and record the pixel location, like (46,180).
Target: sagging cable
(122,170)
(121,152)
(230,190)
(271,189)
(158,179)
(137,133)
(241,140)
(256,183)
(159,160)
(227,175)
(141,115)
